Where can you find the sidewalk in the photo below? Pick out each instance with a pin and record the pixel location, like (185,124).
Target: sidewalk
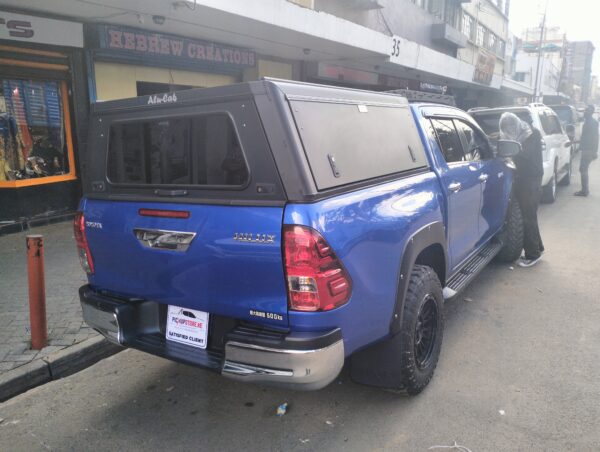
(64,276)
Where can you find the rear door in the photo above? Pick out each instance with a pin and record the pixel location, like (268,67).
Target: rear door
(557,142)
(191,212)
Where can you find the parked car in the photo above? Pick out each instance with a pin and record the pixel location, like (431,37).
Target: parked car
(571,122)
(555,142)
(270,230)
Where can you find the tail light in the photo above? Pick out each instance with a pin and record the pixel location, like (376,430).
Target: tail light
(544,153)
(83,248)
(317,280)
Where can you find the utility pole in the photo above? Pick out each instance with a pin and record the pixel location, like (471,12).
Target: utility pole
(539,58)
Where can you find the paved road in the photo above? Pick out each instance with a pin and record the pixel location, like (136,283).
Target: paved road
(63,278)
(520,370)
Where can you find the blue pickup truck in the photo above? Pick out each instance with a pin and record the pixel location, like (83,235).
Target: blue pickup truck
(272,231)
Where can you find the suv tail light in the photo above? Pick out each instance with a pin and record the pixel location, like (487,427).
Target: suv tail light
(316,279)
(83,248)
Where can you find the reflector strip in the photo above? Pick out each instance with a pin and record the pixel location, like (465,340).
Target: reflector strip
(164,213)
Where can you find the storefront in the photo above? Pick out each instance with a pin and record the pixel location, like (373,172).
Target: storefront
(128,62)
(42,90)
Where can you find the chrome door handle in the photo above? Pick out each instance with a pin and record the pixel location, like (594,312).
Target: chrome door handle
(454,187)
(483,177)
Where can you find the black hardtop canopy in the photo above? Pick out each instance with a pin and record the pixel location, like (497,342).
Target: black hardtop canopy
(289,88)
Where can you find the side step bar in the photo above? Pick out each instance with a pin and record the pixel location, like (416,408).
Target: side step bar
(461,279)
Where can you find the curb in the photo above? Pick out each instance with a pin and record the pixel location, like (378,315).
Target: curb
(57,365)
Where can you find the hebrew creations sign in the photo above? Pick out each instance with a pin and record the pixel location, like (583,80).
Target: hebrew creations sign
(169,47)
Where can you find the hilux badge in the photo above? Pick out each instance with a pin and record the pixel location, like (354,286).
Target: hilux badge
(253,238)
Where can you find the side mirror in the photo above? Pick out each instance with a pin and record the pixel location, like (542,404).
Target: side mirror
(570,129)
(507,148)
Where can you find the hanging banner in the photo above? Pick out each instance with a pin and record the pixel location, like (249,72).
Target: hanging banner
(484,68)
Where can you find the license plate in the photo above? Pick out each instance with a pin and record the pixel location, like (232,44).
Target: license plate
(187,326)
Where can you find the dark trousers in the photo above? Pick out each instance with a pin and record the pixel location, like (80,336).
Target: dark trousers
(586,159)
(528,194)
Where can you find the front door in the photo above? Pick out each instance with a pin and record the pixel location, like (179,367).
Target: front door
(460,180)
(492,177)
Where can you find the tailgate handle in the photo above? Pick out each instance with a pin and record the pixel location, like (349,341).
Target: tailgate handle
(170,192)
(164,240)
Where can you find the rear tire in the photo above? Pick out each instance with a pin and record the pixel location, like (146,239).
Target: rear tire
(512,234)
(549,190)
(419,342)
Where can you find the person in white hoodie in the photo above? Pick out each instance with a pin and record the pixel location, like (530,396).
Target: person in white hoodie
(528,181)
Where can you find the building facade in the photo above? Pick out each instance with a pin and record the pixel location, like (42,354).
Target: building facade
(122,49)
(578,71)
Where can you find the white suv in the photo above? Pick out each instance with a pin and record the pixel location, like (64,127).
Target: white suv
(555,142)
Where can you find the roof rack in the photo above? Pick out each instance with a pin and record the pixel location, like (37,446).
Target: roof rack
(422,96)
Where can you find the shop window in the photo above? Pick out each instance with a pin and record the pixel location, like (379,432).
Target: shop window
(198,150)
(35,133)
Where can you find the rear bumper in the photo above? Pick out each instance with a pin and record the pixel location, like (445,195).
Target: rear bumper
(305,361)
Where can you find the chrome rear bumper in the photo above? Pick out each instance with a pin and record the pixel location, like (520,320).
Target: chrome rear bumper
(298,369)
(304,361)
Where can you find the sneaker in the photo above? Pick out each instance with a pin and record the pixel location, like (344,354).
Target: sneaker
(581,193)
(529,262)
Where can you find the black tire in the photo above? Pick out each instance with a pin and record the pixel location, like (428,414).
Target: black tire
(566,180)
(419,342)
(512,234)
(549,190)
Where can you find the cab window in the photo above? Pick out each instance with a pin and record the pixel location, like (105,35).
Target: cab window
(448,140)
(475,145)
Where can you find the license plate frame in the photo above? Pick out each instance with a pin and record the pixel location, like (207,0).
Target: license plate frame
(187,326)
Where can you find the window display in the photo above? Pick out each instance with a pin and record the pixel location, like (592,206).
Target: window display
(33,137)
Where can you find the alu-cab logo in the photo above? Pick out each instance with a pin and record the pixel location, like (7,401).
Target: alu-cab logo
(164,99)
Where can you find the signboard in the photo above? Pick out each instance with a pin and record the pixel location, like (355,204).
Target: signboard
(19,27)
(484,68)
(433,88)
(157,45)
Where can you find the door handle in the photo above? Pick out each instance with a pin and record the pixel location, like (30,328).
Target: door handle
(454,187)
(483,177)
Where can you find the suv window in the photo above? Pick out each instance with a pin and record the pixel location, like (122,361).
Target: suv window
(474,144)
(550,123)
(490,122)
(448,140)
(565,114)
(189,150)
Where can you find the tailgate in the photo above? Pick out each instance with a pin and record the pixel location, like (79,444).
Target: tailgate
(232,266)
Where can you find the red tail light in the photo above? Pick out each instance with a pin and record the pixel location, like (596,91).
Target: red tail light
(317,280)
(83,248)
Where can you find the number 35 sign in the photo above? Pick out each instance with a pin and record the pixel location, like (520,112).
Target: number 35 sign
(396,42)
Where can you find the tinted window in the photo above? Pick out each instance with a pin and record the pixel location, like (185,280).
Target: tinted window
(550,123)
(448,140)
(474,144)
(347,143)
(490,122)
(198,150)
